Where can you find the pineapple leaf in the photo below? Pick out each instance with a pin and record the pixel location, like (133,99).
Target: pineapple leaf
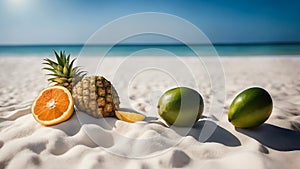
(62,69)
(76,71)
(46,63)
(80,73)
(71,65)
(59,73)
(58,80)
(51,66)
(52,70)
(58,58)
(55,75)
(50,62)
(63,57)
(77,67)
(67,66)
(65,70)
(84,74)
(59,68)
(68,58)
(51,79)
(52,74)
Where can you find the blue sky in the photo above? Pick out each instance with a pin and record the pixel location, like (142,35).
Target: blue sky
(74,21)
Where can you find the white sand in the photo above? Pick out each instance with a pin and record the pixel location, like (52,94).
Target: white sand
(85,142)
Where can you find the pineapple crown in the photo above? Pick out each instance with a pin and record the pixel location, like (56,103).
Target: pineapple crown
(62,71)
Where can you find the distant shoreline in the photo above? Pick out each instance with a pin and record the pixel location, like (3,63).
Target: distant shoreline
(181,50)
(155,44)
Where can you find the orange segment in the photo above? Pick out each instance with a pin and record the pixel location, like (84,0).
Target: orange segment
(53,105)
(118,115)
(129,117)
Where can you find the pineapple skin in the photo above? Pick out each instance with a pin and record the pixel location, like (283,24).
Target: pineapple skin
(96,96)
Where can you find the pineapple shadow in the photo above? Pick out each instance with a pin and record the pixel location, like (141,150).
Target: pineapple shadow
(274,137)
(208,131)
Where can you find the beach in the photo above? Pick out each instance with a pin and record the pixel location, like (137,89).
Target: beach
(213,142)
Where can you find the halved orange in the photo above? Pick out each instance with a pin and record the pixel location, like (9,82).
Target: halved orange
(129,117)
(53,105)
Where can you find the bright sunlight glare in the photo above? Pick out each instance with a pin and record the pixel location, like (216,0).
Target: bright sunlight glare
(17,3)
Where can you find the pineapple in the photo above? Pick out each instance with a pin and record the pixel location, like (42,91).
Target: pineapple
(62,72)
(96,96)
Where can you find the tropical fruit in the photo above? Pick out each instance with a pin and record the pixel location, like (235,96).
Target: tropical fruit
(96,96)
(62,71)
(53,105)
(181,106)
(129,117)
(250,108)
(93,95)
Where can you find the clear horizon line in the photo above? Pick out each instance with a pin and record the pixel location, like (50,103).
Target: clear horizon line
(154,44)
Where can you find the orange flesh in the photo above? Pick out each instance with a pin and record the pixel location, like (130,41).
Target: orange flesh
(129,117)
(51,104)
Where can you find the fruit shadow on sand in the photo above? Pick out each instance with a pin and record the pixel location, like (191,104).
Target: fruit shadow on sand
(203,130)
(274,137)
(209,131)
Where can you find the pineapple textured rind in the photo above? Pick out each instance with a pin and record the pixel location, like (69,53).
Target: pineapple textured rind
(96,96)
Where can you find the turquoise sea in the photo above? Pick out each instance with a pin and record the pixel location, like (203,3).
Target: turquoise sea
(155,50)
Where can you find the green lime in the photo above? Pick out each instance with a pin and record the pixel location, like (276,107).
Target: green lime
(250,108)
(181,106)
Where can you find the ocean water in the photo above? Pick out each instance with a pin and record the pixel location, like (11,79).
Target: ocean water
(155,50)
